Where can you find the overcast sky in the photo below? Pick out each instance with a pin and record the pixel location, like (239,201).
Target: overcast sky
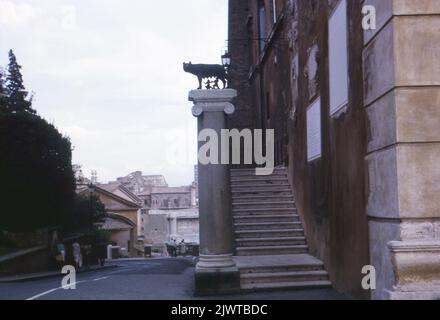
(108,73)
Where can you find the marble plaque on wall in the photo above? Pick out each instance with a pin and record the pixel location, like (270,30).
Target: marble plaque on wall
(314,134)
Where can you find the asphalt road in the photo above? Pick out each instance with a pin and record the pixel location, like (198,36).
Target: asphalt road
(156,279)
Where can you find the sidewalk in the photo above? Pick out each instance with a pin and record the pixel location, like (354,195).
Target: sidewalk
(49,274)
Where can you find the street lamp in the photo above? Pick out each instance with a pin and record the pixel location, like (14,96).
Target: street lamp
(226,59)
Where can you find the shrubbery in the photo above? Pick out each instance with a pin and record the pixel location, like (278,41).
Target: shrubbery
(37,182)
(38,186)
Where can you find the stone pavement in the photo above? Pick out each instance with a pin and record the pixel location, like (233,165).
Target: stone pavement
(150,279)
(48,274)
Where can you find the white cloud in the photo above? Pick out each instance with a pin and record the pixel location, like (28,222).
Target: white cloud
(109,73)
(76,132)
(14,14)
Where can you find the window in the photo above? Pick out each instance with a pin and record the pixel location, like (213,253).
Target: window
(262,24)
(274,11)
(338,58)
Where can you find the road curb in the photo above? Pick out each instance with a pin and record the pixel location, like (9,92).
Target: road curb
(51,275)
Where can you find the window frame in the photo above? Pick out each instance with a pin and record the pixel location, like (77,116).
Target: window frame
(337,104)
(318,104)
(274,12)
(262,25)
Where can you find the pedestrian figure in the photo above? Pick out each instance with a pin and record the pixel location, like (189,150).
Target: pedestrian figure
(77,257)
(87,254)
(60,255)
(182,247)
(172,247)
(101,253)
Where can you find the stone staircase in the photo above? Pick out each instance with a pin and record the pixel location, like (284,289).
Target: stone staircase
(271,247)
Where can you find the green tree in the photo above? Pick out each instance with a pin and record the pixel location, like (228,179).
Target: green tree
(38,186)
(15,88)
(88,211)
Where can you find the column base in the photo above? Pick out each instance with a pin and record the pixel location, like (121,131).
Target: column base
(217,281)
(217,261)
(416,267)
(216,274)
(414,295)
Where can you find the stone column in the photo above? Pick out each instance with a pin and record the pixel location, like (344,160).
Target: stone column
(216,271)
(402,98)
(173,225)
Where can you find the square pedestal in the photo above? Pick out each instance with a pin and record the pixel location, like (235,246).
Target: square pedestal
(216,281)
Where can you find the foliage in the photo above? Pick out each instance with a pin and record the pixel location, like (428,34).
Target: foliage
(102,236)
(38,181)
(38,187)
(15,90)
(88,211)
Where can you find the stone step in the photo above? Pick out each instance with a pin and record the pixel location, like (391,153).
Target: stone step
(284,268)
(271,245)
(270,210)
(263,205)
(295,285)
(248,226)
(264,242)
(253,177)
(252,172)
(277,277)
(271,250)
(281,263)
(277,168)
(269,233)
(261,187)
(260,218)
(260,198)
(236,182)
(261,193)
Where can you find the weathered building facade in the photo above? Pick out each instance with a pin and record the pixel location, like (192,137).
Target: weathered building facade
(167,213)
(123,212)
(356,116)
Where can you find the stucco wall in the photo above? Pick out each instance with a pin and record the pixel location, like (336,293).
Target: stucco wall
(292,72)
(121,238)
(330,192)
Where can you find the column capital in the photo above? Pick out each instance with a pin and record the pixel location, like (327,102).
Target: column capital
(212,101)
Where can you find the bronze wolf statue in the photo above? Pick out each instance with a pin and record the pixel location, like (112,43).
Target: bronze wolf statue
(206,71)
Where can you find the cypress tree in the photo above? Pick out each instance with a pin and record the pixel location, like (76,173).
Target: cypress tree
(15,88)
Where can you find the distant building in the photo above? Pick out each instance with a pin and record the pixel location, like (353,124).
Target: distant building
(196,184)
(137,183)
(167,213)
(123,216)
(122,231)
